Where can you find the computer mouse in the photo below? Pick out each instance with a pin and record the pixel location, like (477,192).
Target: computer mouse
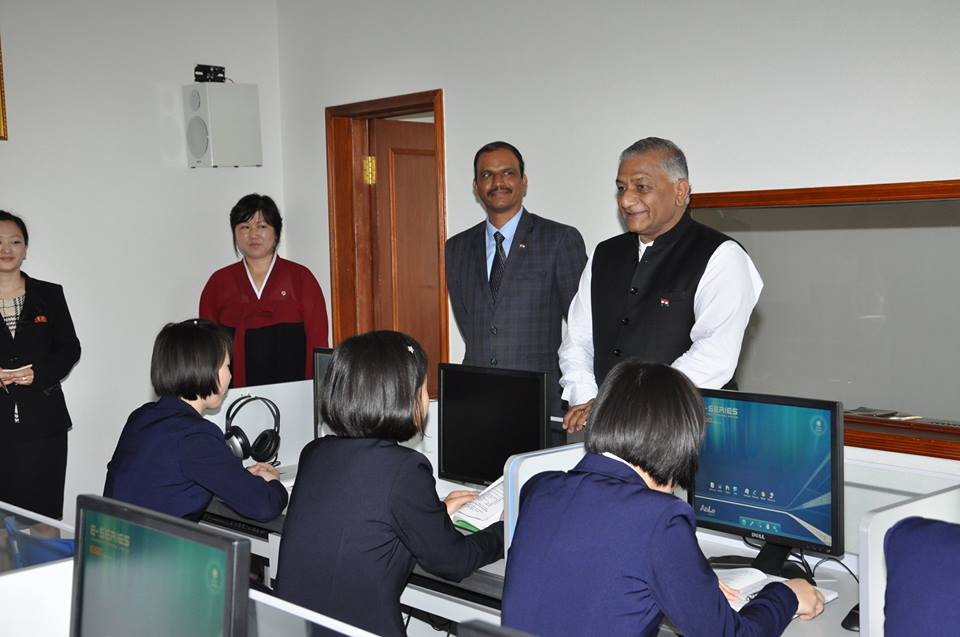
(852,620)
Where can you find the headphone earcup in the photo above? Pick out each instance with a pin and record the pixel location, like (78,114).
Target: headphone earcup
(237,442)
(266,446)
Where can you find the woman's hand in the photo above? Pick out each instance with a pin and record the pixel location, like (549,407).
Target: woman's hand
(456,499)
(22,376)
(732,594)
(266,471)
(809,599)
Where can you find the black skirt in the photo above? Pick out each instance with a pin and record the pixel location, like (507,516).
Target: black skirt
(32,474)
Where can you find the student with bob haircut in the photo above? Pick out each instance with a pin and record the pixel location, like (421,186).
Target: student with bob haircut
(373,502)
(169,457)
(612,531)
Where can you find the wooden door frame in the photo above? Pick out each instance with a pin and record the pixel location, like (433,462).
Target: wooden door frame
(351,272)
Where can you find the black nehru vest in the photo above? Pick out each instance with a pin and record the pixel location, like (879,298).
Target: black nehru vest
(645,309)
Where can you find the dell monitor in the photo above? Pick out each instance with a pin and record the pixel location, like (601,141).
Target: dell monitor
(771,469)
(321,362)
(487,415)
(138,572)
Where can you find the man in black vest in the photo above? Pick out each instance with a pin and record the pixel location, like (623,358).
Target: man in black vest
(511,277)
(669,290)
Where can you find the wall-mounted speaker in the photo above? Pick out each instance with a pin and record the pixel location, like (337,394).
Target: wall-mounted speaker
(223,124)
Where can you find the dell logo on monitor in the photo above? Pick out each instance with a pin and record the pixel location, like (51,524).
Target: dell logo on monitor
(759,536)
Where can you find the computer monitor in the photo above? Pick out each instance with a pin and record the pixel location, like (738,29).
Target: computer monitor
(138,572)
(321,361)
(485,416)
(771,469)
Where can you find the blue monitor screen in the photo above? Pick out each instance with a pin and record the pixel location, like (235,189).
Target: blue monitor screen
(766,470)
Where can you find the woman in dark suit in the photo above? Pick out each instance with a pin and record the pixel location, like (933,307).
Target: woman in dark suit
(38,348)
(364,509)
(607,549)
(169,457)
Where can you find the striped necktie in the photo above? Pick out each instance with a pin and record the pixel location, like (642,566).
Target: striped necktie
(499,261)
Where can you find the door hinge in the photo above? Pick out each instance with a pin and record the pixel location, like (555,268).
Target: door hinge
(369,170)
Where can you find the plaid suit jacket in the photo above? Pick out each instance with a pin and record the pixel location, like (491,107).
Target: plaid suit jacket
(522,328)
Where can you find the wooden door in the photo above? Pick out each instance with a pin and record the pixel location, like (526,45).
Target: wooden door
(386,238)
(407,294)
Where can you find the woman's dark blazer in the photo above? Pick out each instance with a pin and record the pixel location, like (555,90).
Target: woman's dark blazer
(46,338)
(363,512)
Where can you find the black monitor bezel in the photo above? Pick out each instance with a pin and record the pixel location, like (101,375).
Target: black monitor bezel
(443,369)
(236,583)
(836,474)
(318,388)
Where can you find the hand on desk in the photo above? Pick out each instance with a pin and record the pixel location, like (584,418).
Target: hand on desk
(809,599)
(456,499)
(266,471)
(576,417)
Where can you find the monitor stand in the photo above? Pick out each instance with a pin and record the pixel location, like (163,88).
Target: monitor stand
(772,560)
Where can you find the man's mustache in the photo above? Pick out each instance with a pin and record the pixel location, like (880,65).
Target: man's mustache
(499,189)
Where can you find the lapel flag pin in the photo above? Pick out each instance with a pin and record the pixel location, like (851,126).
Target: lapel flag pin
(523,245)
(664,301)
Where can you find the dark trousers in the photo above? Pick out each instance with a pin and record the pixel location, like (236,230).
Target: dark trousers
(32,474)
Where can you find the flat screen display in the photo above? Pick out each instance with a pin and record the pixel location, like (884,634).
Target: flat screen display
(139,574)
(486,416)
(771,468)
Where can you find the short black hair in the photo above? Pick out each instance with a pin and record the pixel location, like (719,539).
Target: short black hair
(372,387)
(187,357)
(9,216)
(248,207)
(492,146)
(652,416)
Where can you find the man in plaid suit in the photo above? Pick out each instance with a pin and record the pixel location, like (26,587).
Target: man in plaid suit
(512,276)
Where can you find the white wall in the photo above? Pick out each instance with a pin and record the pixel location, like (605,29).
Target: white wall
(96,164)
(759,94)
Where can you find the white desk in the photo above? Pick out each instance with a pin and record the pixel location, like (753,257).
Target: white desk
(452,606)
(829,576)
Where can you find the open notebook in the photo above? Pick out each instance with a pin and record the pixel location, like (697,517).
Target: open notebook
(749,581)
(483,511)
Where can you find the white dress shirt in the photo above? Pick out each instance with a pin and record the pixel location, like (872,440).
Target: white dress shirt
(508,230)
(726,295)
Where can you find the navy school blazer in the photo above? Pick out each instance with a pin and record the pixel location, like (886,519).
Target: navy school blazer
(363,512)
(596,552)
(171,459)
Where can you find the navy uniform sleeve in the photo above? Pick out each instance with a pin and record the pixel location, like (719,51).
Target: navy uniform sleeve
(688,592)
(426,530)
(205,459)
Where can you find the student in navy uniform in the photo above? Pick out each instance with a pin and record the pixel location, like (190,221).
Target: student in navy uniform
(607,549)
(169,457)
(365,509)
(273,308)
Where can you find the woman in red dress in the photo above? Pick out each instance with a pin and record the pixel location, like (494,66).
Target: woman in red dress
(273,308)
